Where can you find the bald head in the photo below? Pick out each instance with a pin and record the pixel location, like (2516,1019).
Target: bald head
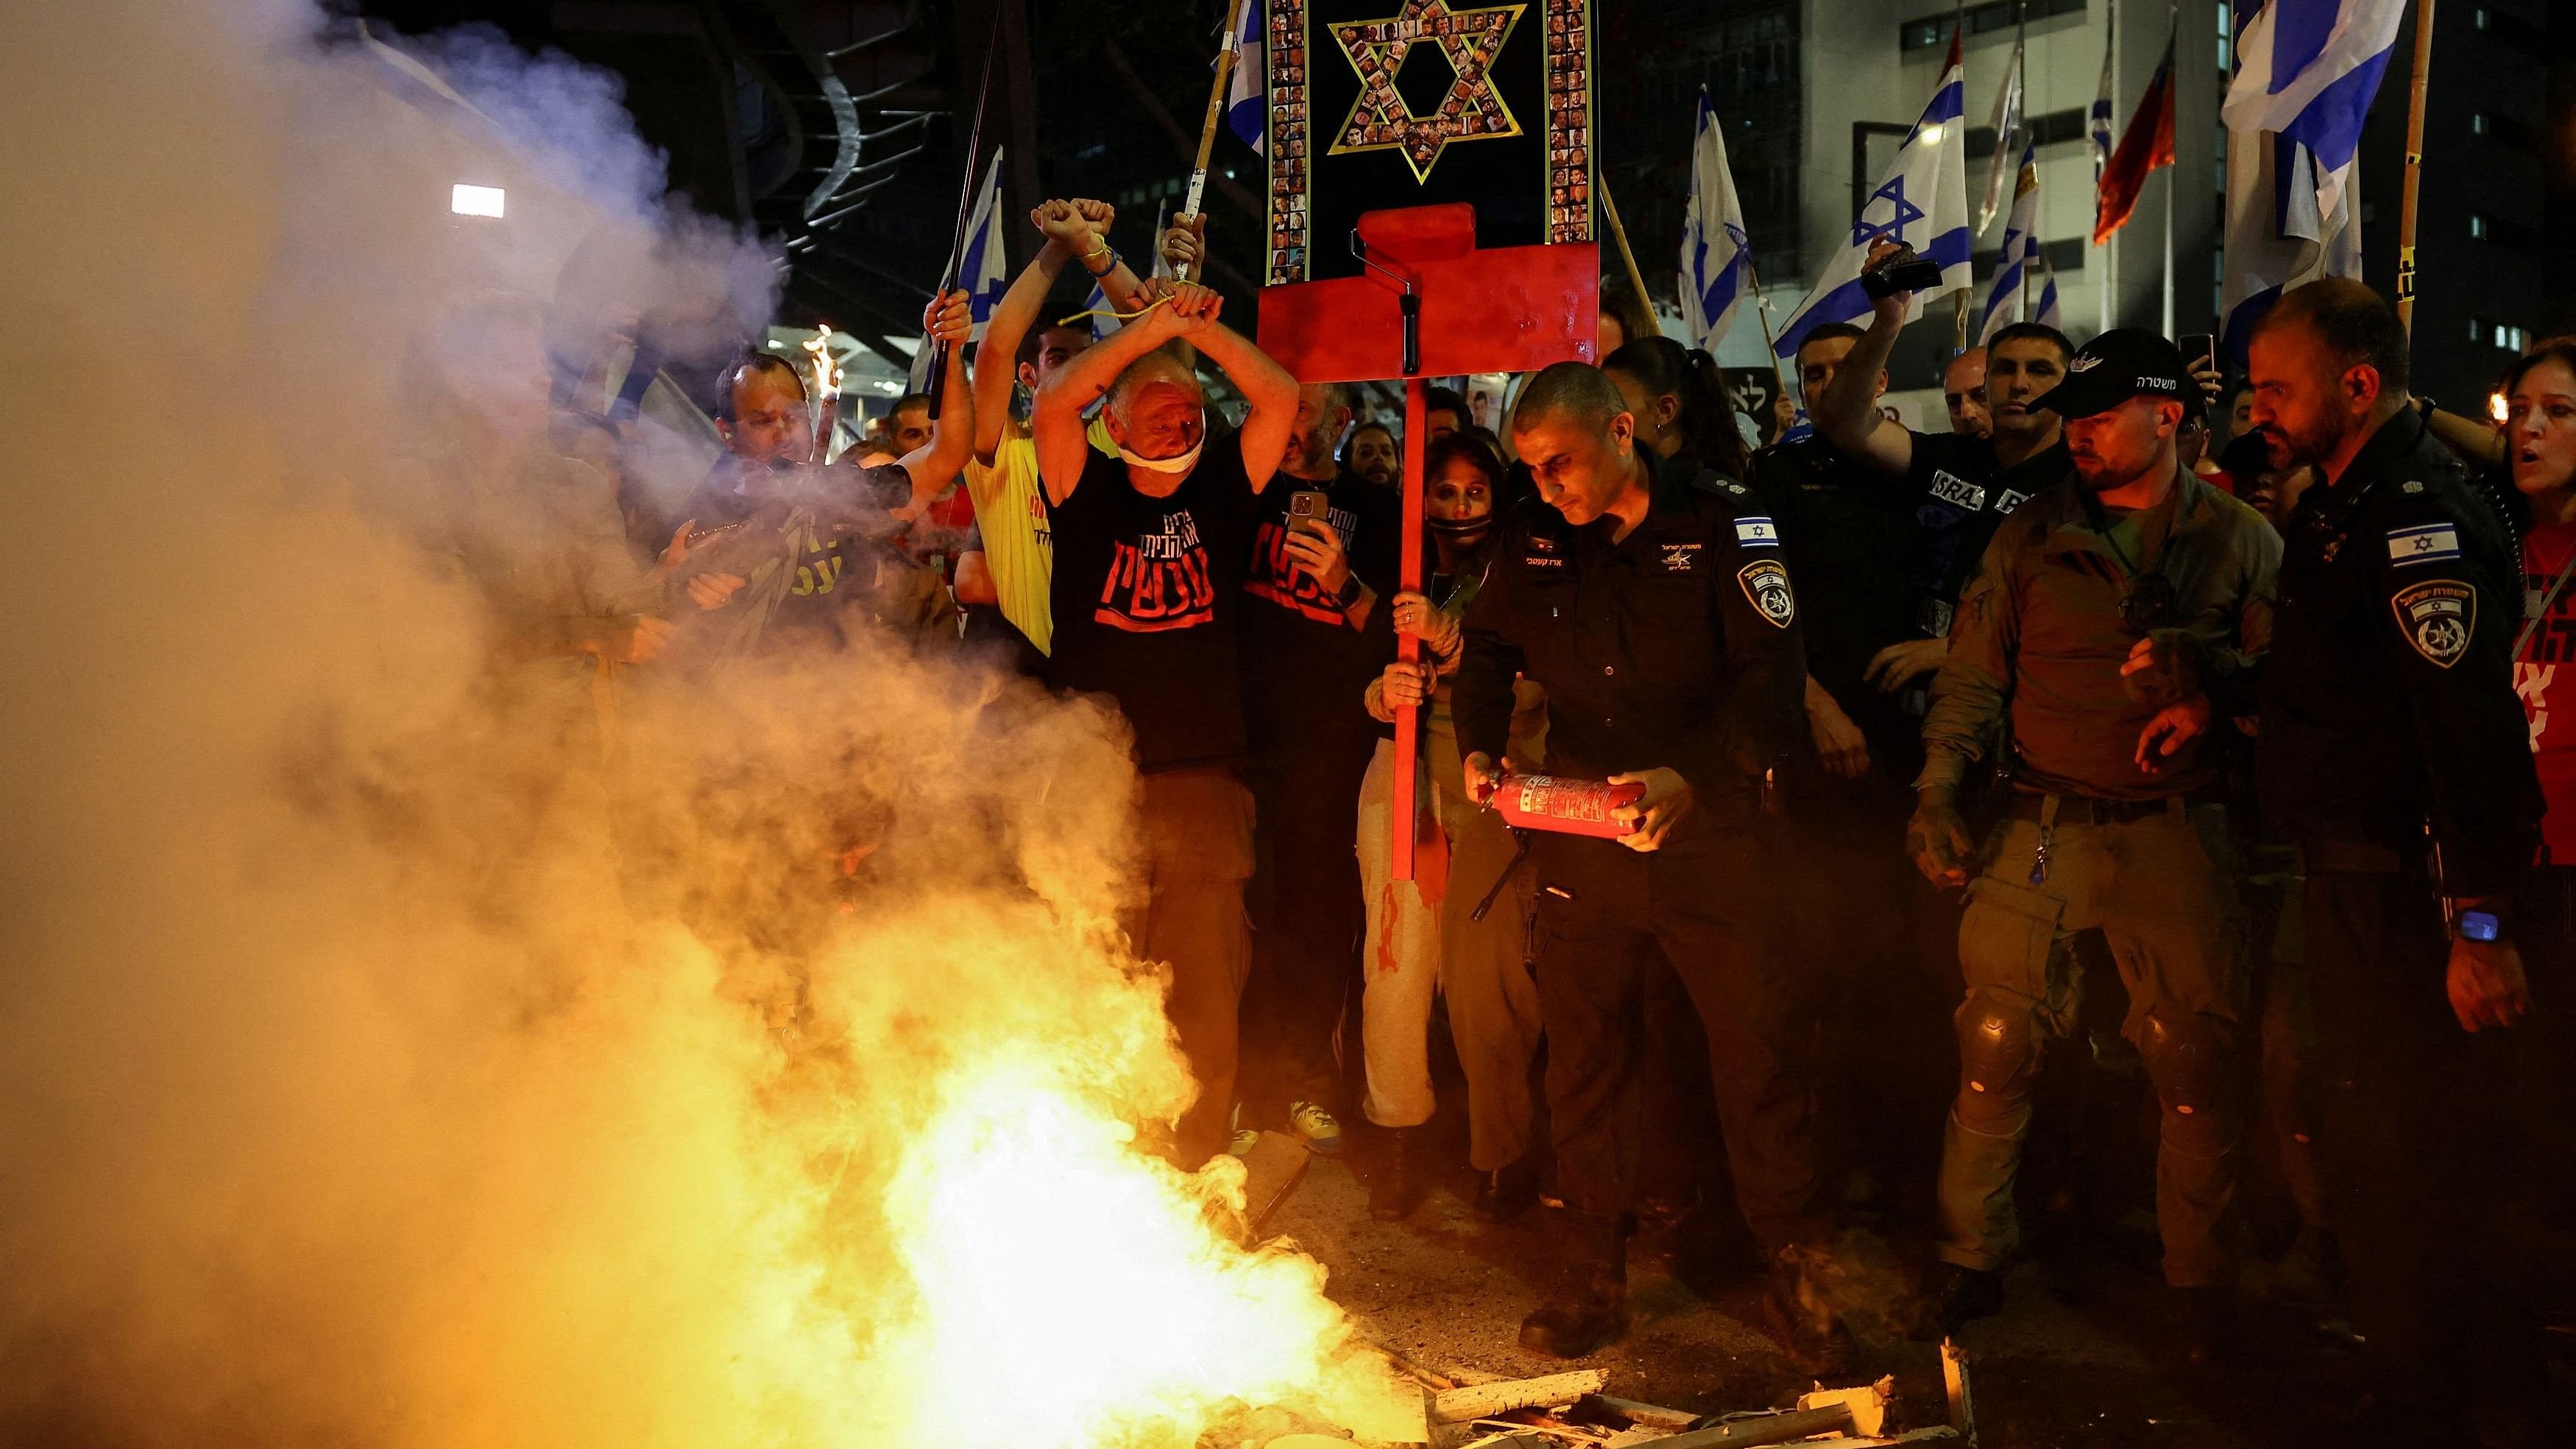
(1156,407)
(1963,389)
(1576,434)
(1162,365)
(1569,394)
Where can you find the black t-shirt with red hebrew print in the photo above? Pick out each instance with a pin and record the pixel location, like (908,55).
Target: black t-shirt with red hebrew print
(1305,669)
(1148,597)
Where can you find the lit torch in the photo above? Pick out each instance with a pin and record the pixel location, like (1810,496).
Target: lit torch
(823,396)
(2498,409)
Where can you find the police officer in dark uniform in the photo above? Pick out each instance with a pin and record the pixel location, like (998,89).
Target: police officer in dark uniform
(1657,613)
(2393,750)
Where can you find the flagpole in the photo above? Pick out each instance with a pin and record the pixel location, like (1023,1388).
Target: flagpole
(2173,171)
(1959,298)
(1627,258)
(2414,165)
(1207,129)
(937,385)
(1762,314)
(2021,82)
(2111,249)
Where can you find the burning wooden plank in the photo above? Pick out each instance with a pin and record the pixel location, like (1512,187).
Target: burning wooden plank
(1271,1170)
(1484,1401)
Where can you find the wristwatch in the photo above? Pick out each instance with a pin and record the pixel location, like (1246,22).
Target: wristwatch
(1351,589)
(2482,926)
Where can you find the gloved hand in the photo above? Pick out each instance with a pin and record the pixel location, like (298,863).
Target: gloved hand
(1937,837)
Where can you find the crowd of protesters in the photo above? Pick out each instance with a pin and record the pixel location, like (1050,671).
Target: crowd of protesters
(2241,688)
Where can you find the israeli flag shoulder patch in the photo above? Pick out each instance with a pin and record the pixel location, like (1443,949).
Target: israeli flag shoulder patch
(1757,533)
(2422,544)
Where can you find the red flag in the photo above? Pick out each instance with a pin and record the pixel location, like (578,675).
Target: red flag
(2146,145)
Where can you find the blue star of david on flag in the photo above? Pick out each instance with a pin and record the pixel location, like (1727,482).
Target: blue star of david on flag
(1901,213)
(1921,201)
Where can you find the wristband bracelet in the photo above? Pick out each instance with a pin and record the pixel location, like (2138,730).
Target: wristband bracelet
(1106,250)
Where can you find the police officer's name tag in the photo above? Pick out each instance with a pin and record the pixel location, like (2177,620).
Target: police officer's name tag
(1766,586)
(1756,533)
(2437,616)
(2424,543)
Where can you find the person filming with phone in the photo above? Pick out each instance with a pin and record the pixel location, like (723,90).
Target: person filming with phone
(1323,553)
(1961,484)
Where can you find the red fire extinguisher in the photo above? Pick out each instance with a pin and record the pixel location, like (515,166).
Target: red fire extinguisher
(1568,807)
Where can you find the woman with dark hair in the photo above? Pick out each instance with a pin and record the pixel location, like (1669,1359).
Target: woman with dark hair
(1625,317)
(1421,935)
(1679,399)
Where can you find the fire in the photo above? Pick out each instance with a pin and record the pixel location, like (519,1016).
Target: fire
(823,393)
(1078,1294)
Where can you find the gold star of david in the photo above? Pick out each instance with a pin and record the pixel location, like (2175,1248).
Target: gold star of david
(1471,111)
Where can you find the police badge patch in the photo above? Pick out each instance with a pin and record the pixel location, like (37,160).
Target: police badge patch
(2437,617)
(1681,558)
(1766,585)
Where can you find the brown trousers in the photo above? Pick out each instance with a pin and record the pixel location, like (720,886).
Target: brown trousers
(1198,838)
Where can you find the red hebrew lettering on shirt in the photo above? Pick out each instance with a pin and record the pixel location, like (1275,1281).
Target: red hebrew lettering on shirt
(1273,577)
(1160,581)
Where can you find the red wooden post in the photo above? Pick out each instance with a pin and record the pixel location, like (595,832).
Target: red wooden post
(1408,730)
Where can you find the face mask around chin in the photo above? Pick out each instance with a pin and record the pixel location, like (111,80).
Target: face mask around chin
(1181,464)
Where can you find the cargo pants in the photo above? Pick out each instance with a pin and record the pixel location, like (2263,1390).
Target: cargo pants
(2160,883)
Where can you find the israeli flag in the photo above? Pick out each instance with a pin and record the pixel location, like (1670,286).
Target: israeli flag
(1717,264)
(981,267)
(2014,264)
(1923,202)
(2047,313)
(2306,73)
(1246,96)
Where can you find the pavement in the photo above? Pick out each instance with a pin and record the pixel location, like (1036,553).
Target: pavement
(2072,1361)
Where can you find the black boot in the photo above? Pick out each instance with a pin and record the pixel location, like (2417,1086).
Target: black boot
(1589,1308)
(1507,1194)
(1392,1190)
(1952,1296)
(1799,1315)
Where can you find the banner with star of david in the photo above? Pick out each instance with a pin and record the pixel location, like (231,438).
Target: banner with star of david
(1380,104)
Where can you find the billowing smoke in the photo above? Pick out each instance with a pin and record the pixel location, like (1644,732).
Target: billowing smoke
(414,1035)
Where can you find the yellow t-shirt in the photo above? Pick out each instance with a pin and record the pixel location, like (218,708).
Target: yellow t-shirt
(1011,509)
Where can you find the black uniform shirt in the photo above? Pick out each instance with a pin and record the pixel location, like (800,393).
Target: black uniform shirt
(2389,696)
(1960,492)
(1675,647)
(1853,545)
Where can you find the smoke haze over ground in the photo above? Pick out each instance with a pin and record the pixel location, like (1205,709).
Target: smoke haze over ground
(388,1057)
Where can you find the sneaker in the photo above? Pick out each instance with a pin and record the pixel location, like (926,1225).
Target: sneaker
(1239,1138)
(1320,1129)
